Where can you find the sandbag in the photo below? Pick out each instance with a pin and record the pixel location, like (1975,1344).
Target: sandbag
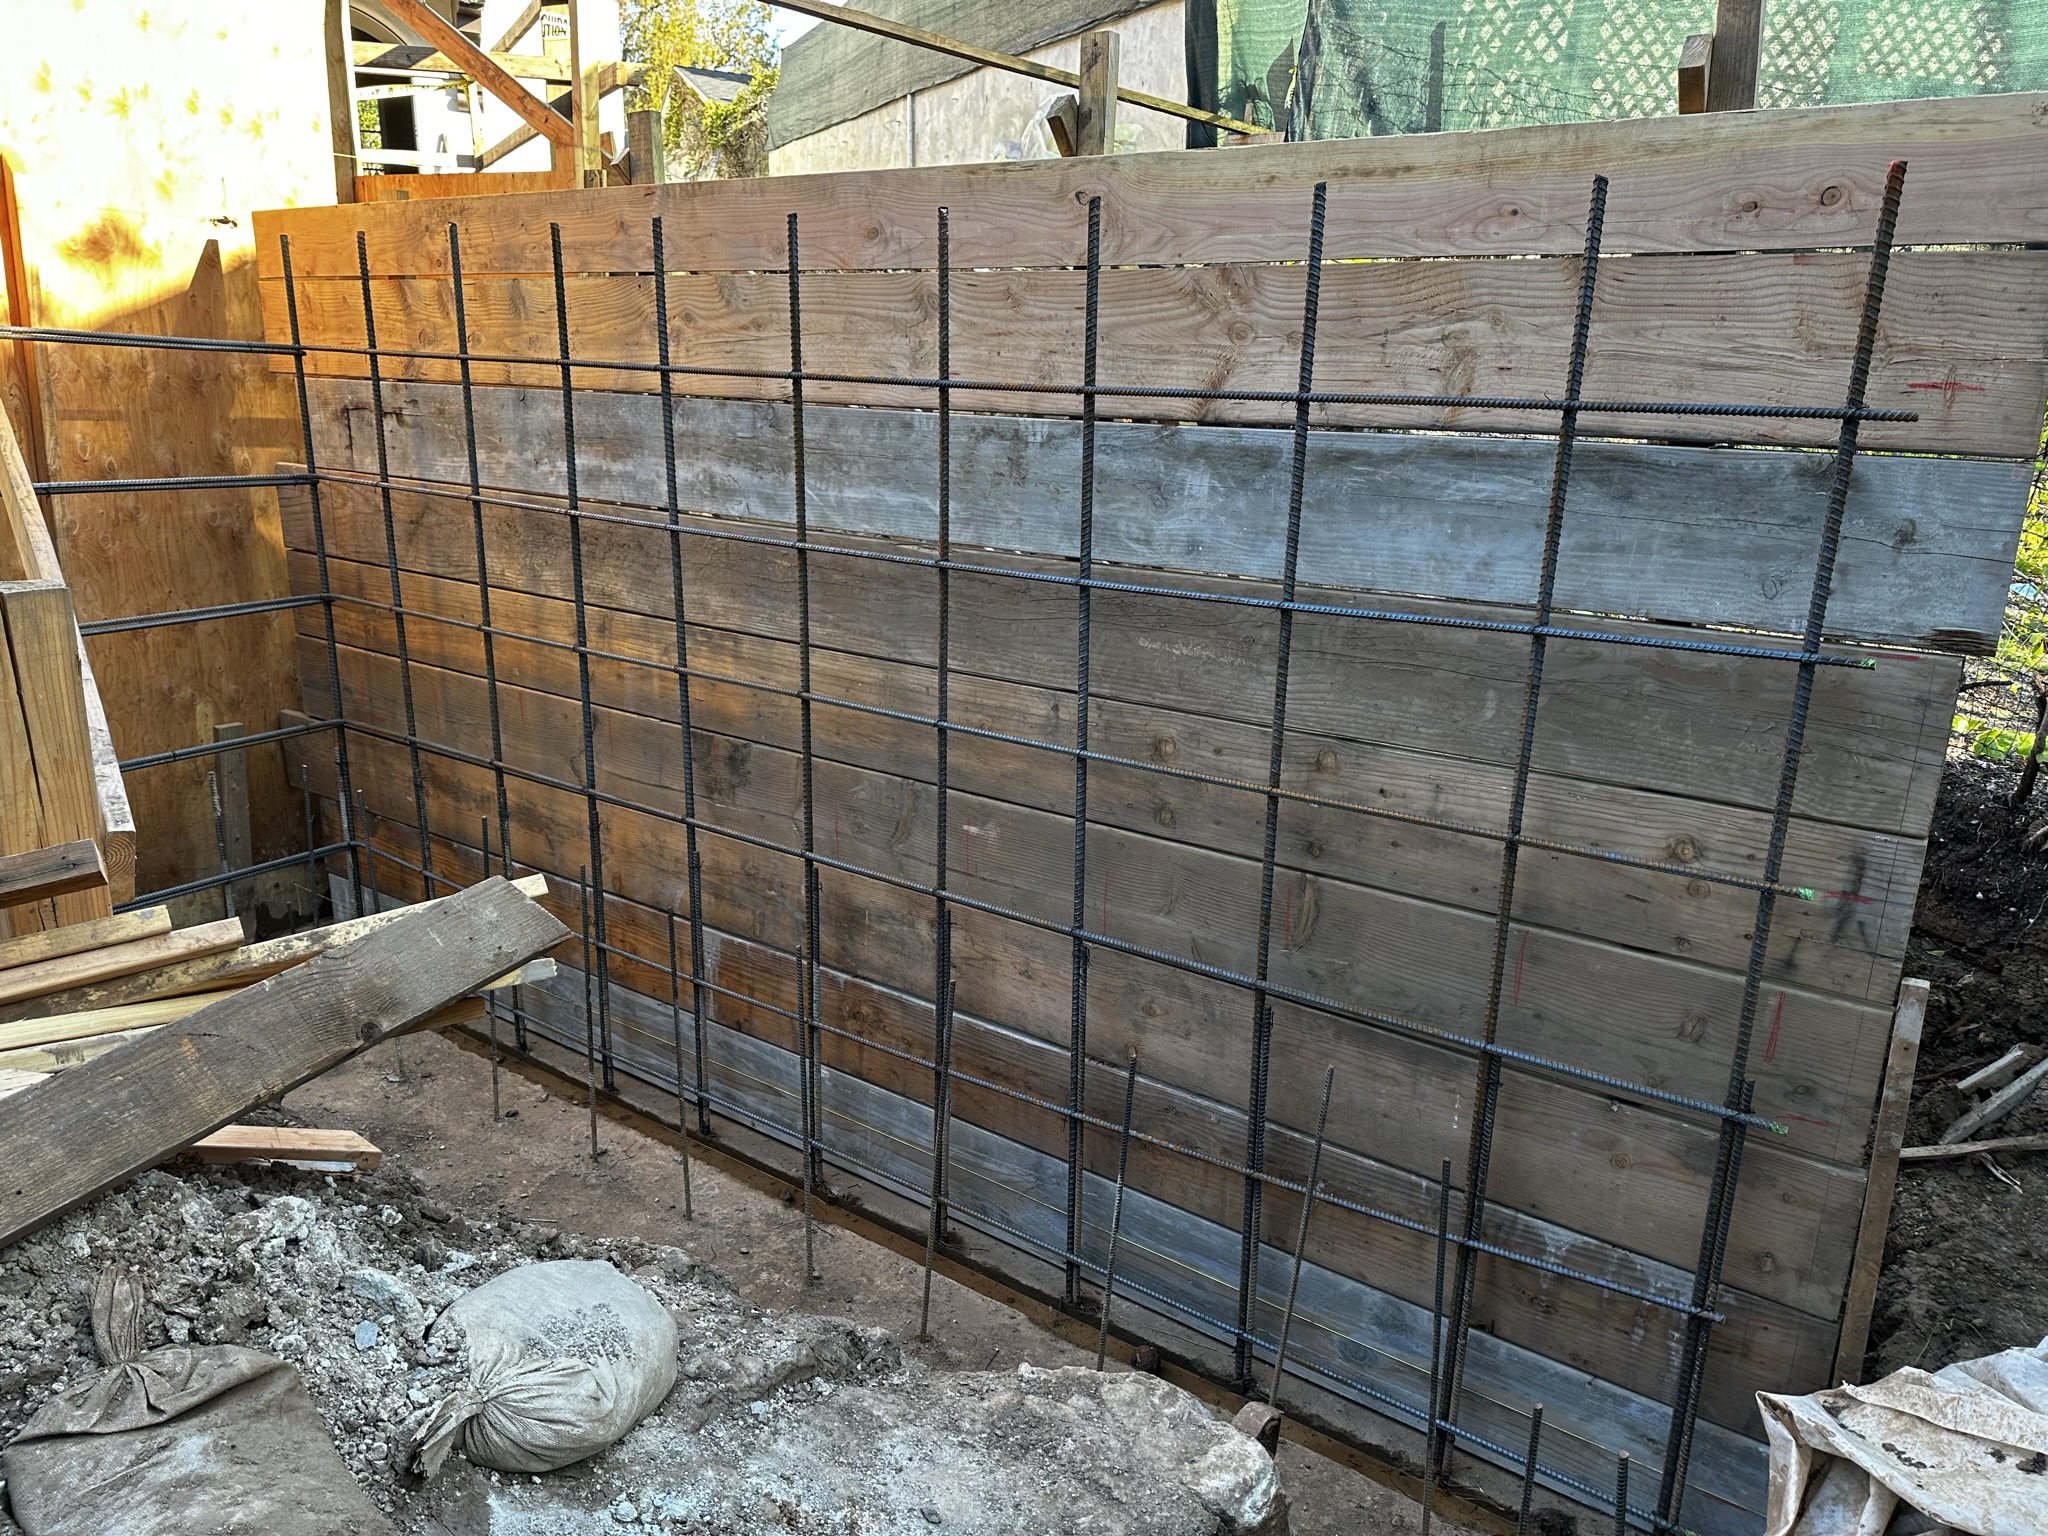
(564,1358)
(199,1439)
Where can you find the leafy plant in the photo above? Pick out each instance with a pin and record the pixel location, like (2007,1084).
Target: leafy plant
(703,138)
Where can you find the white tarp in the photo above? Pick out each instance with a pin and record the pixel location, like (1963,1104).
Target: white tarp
(1967,1446)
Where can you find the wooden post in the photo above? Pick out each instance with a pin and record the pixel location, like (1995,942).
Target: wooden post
(341,101)
(643,145)
(568,156)
(231,775)
(1097,133)
(1694,64)
(1885,1140)
(1737,51)
(1433,103)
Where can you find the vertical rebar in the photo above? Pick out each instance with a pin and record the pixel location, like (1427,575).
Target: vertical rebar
(1308,1205)
(1621,1494)
(575,510)
(312,865)
(1721,1199)
(692,860)
(1436,1335)
(942,1125)
(1116,1211)
(1077,1029)
(483,577)
(1488,1094)
(589,1005)
(220,843)
(1529,1469)
(343,795)
(412,728)
(675,1011)
(942,915)
(1262,1008)
(370,858)
(807,1007)
(483,827)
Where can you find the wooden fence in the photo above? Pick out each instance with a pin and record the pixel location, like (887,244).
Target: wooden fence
(1736,253)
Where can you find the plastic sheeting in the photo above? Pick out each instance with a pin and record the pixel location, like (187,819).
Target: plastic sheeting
(1966,1446)
(1323,69)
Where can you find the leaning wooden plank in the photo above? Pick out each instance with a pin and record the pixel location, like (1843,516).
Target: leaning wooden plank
(43,639)
(77,937)
(1925,560)
(1995,1108)
(80,1131)
(78,970)
(1772,329)
(2036,1143)
(1884,1174)
(1999,1072)
(239,963)
(286,1143)
(1727,181)
(43,873)
(61,1055)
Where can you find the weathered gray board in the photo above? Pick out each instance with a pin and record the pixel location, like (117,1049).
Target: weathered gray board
(1347,1335)
(1688,535)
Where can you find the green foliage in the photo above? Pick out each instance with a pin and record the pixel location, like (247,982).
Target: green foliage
(704,138)
(2000,724)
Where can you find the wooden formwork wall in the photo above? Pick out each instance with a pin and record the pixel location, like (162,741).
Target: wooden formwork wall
(1735,275)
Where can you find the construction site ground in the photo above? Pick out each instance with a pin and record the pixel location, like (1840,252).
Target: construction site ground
(427,1102)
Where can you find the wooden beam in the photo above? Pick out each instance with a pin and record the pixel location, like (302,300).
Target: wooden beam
(2000,1072)
(421,59)
(341,105)
(1695,57)
(643,139)
(248,962)
(91,1023)
(49,679)
(43,873)
(287,1144)
(1995,1108)
(68,971)
(896,31)
(483,69)
(231,782)
(527,19)
(1886,1139)
(74,1134)
(2034,1143)
(77,937)
(1095,132)
(1737,52)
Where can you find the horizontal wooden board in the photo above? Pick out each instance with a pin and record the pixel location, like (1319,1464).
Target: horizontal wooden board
(1963,342)
(1847,941)
(1596,1164)
(1787,180)
(1700,725)
(1926,559)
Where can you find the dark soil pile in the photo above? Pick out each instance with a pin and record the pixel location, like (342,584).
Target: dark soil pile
(1963,1269)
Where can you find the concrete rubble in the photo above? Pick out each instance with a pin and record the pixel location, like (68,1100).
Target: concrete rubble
(778,1422)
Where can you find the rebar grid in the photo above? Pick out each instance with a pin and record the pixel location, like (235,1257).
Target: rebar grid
(1459,1247)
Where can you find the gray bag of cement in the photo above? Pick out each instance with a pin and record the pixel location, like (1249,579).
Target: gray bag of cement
(564,1358)
(187,1439)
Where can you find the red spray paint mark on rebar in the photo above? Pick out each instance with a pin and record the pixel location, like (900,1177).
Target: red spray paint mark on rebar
(1519,954)
(1777,1017)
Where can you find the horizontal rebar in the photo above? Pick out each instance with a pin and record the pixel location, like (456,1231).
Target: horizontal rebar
(228,877)
(168,483)
(178,616)
(232,744)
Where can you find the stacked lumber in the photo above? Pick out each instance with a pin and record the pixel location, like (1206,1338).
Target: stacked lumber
(67,840)
(75,1132)
(71,995)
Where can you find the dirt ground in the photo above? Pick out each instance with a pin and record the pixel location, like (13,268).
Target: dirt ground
(427,1103)
(1963,1261)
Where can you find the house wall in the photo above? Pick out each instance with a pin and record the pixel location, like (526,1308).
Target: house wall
(988,114)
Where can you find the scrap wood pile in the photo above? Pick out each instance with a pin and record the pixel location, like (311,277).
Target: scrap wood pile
(123,1042)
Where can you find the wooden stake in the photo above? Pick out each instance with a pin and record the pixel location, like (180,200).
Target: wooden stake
(1885,1141)
(1097,129)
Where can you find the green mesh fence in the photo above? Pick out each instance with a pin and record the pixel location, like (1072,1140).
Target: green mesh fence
(1346,68)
